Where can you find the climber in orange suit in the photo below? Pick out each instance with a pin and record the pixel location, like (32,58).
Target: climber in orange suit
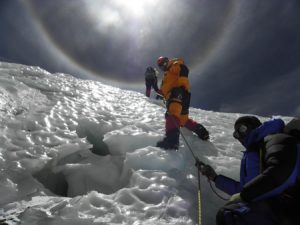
(175,88)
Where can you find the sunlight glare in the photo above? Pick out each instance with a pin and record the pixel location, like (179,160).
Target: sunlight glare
(113,13)
(136,7)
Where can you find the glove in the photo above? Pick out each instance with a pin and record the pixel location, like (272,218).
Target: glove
(206,170)
(199,164)
(159,92)
(202,132)
(235,198)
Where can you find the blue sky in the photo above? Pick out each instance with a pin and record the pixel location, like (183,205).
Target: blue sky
(243,56)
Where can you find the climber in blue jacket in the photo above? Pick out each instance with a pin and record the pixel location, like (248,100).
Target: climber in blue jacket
(269,188)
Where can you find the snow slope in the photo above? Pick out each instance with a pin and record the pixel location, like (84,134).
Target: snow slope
(79,152)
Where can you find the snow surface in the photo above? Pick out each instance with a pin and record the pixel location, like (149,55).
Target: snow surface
(79,152)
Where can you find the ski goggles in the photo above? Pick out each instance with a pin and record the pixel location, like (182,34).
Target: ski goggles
(240,131)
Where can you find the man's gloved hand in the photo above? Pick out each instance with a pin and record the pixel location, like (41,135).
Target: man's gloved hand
(235,198)
(206,170)
(199,164)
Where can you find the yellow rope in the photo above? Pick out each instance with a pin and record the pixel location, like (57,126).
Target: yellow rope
(199,208)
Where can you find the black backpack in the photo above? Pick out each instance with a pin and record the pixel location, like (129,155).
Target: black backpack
(293,128)
(150,73)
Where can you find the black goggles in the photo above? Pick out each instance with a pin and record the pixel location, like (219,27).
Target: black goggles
(240,131)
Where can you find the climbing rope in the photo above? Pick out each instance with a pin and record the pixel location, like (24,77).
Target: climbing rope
(199,181)
(199,201)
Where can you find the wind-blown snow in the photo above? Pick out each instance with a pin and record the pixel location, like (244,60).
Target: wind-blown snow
(79,152)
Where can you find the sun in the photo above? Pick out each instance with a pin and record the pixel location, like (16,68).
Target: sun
(135,8)
(113,12)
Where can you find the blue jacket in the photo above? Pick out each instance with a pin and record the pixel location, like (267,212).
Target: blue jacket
(257,176)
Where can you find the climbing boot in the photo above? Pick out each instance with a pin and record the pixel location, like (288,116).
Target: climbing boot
(171,140)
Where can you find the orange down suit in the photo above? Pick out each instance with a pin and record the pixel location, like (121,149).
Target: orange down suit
(175,88)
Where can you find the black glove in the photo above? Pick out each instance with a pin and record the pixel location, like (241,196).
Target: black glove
(206,170)
(199,164)
(202,132)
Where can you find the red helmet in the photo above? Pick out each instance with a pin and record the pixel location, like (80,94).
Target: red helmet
(162,62)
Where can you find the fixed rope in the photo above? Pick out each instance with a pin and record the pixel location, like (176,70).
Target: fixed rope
(199,181)
(199,201)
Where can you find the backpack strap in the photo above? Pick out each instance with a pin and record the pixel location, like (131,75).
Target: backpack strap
(262,153)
